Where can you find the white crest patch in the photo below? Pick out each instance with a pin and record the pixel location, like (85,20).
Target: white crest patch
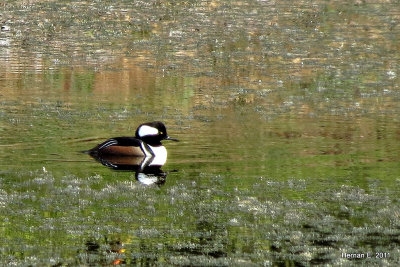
(146,130)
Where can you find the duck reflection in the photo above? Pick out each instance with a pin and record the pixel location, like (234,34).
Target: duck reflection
(148,169)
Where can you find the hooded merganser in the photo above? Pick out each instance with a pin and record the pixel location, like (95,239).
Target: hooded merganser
(146,143)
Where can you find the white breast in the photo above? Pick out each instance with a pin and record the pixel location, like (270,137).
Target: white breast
(160,155)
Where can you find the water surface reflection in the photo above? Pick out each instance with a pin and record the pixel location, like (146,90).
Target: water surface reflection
(145,171)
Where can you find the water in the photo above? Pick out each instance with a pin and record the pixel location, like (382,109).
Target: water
(287,116)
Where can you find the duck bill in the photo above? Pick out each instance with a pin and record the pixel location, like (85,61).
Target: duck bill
(172,139)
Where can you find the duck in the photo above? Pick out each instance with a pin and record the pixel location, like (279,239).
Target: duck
(146,143)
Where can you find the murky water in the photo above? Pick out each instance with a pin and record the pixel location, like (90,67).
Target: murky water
(287,115)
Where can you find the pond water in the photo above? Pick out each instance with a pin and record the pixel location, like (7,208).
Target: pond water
(287,115)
